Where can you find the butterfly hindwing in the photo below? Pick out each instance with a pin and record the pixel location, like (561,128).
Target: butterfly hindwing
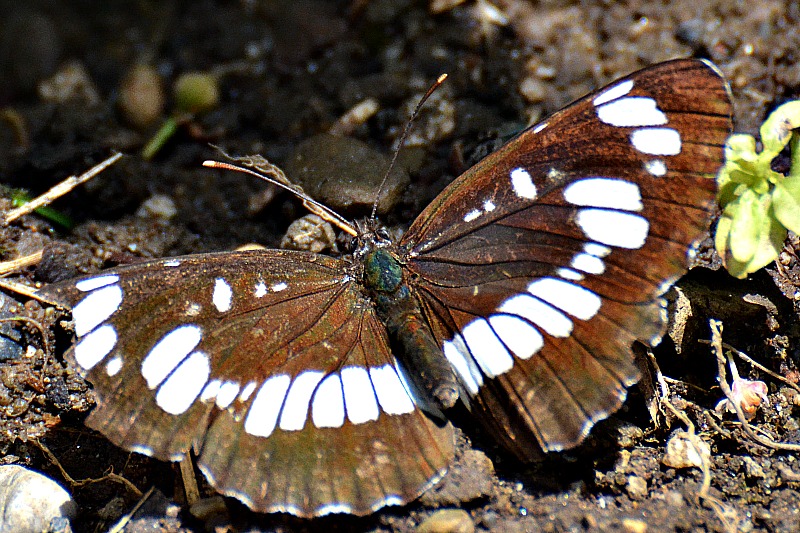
(540,265)
(263,361)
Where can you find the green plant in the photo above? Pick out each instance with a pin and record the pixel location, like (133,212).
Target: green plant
(759,204)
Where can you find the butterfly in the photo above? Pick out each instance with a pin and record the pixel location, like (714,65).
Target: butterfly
(310,384)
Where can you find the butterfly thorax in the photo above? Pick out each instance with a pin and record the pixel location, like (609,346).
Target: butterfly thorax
(413,343)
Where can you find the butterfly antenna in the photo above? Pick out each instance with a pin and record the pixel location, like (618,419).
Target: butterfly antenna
(403,136)
(321,210)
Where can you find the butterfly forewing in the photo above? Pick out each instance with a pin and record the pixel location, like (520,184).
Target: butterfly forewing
(540,265)
(270,364)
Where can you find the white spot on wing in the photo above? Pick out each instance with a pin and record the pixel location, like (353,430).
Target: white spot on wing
(634,111)
(523,185)
(247,391)
(588,263)
(327,408)
(595,249)
(227,393)
(522,339)
(574,299)
(96,308)
(538,312)
(472,215)
(223,295)
(266,406)
(568,273)
(172,263)
(612,93)
(657,141)
(261,290)
(604,192)
(539,127)
(295,407)
(392,395)
(488,206)
(183,386)
(458,355)
(95,346)
(278,287)
(656,167)
(210,390)
(486,348)
(169,352)
(114,366)
(359,396)
(91,284)
(614,228)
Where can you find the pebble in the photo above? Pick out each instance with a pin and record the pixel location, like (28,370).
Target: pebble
(141,96)
(634,525)
(684,451)
(309,233)
(29,501)
(468,479)
(344,174)
(447,521)
(159,207)
(636,488)
(71,83)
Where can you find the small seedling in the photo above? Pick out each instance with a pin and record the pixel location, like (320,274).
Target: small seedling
(195,93)
(759,204)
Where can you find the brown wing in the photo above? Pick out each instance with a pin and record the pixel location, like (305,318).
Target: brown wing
(270,364)
(542,264)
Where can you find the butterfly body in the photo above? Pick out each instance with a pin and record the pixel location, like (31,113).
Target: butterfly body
(310,384)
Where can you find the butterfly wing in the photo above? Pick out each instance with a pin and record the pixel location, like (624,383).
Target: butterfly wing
(540,265)
(265,362)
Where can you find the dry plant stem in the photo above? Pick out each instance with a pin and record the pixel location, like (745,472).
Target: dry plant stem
(744,357)
(189,480)
(120,526)
(82,482)
(35,323)
(59,190)
(24,290)
(681,415)
(761,367)
(15,265)
(716,345)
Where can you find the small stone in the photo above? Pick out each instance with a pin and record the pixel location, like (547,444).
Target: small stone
(634,525)
(345,174)
(674,499)
(469,478)
(636,487)
(158,206)
(753,469)
(629,435)
(29,501)
(309,233)
(685,451)
(141,96)
(71,82)
(447,521)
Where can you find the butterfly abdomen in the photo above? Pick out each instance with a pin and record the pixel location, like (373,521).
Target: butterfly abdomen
(422,356)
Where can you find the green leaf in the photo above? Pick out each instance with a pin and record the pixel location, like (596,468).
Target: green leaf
(747,214)
(777,129)
(722,235)
(786,202)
